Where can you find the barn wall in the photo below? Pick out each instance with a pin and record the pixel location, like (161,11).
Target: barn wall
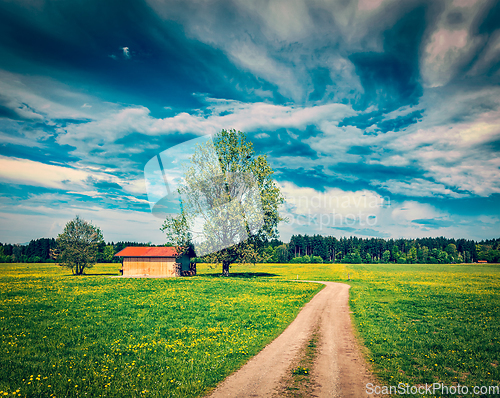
(151,266)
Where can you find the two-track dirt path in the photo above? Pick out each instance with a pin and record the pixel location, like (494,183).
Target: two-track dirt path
(339,369)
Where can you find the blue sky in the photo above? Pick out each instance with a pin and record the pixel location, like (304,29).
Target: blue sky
(381,118)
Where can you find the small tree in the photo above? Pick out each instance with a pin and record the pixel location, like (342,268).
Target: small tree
(79,245)
(108,254)
(452,252)
(411,257)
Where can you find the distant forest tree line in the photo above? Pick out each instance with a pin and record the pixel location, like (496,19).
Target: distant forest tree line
(328,249)
(306,249)
(45,250)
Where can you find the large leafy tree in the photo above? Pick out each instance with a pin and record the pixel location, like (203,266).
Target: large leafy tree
(78,245)
(229,198)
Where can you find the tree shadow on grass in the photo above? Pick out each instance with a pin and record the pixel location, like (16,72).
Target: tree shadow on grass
(103,274)
(240,275)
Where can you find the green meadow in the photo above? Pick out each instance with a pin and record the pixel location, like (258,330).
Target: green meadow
(93,335)
(71,336)
(420,323)
(430,323)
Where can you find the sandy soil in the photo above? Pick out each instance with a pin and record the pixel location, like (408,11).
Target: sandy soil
(339,368)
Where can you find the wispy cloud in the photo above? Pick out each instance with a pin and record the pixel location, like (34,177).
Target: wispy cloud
(27,172)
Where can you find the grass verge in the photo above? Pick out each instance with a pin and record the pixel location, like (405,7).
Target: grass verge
(429,324)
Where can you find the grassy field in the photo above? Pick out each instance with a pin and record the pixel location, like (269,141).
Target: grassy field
(430,323)
(66,336)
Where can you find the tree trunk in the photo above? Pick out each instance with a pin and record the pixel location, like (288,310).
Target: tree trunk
(225,268)
(79,269)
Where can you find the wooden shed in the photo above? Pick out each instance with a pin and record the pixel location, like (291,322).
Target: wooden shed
(154,261)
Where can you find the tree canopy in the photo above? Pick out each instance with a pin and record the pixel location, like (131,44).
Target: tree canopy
(229,202)
(79,245)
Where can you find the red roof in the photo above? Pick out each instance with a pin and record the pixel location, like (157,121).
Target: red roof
(137,251)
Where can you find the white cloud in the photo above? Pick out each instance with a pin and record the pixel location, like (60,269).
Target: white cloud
(280,41)
(454,155)
(126,52)
(416,187)
(393,220)
(492,220)
(311,211)
(411,210)
(305,200)
(27,172)
(452,46)
(92,194)
(19,140)
(39,98)
(223,114)
(464,3)
(489,57)
(368,5)
(444,40)
(337,140)
(246,54)
(445,53)
(437,147)
(280,19)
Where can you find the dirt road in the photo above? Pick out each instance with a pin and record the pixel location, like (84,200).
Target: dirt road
(339,369)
